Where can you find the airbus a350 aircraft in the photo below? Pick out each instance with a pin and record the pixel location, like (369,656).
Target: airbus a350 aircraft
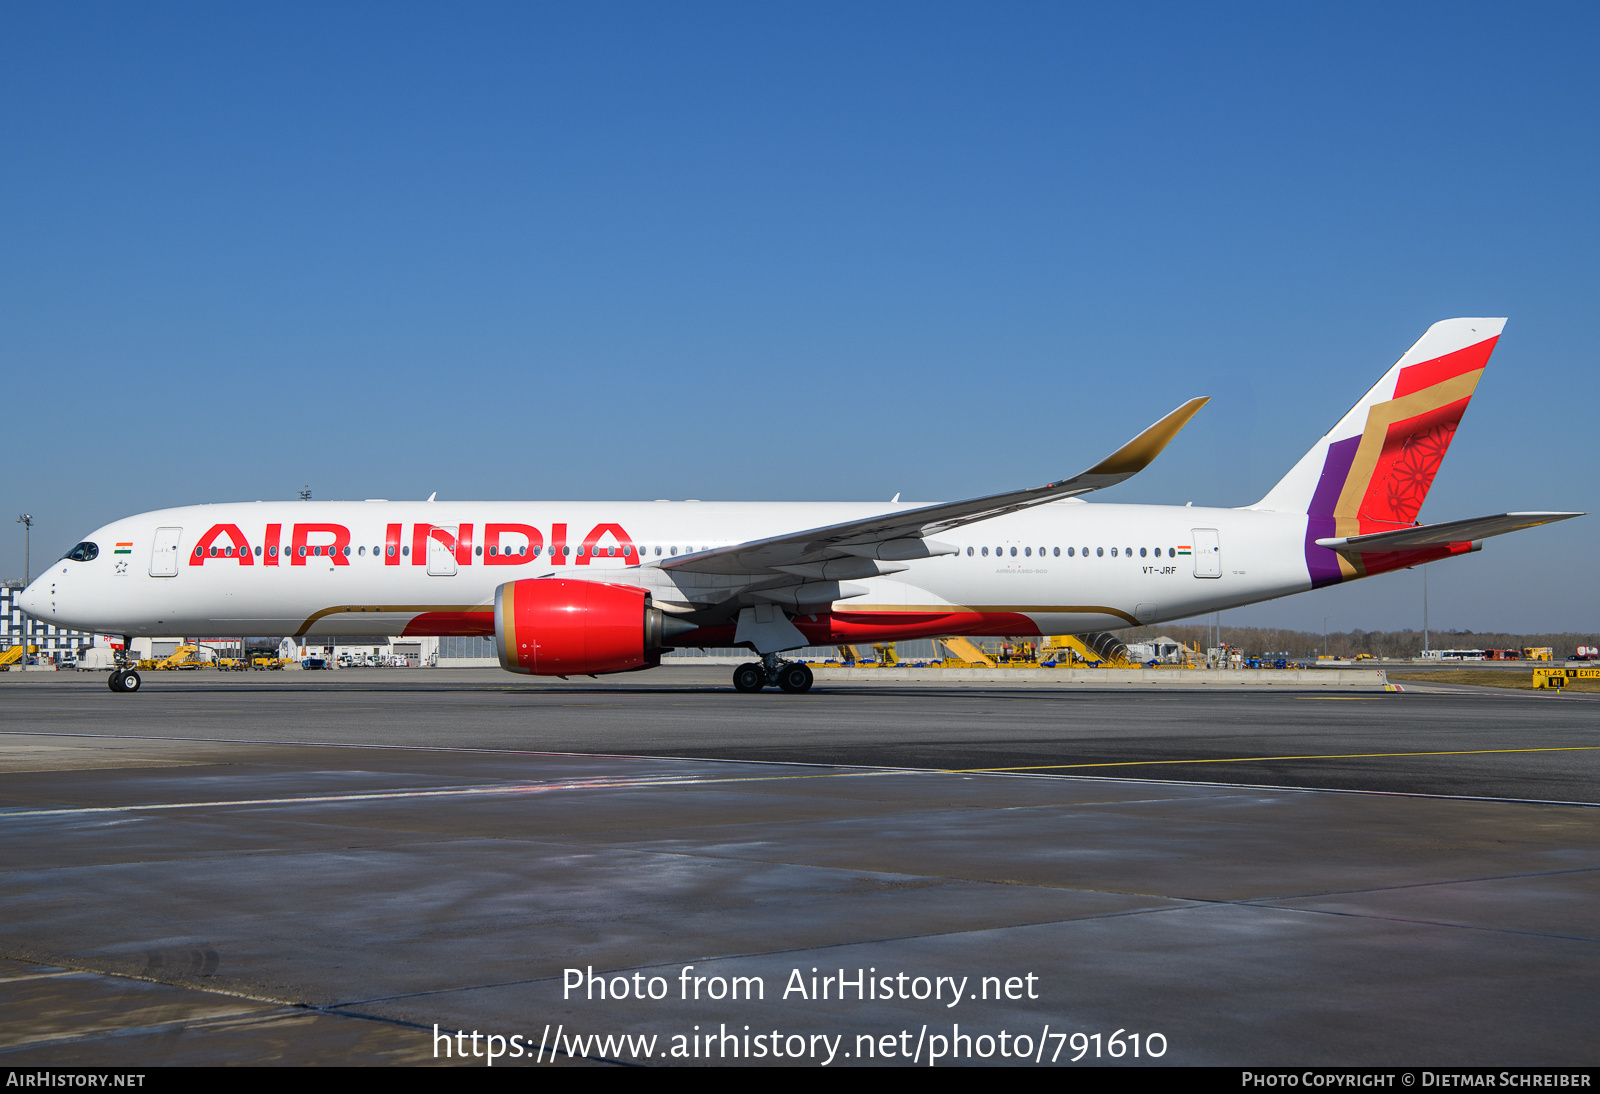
(597,587)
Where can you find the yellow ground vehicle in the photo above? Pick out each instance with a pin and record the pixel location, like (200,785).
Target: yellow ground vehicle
(186,656)
(13,656)
(1538,653)
(961,652)
(1089,649)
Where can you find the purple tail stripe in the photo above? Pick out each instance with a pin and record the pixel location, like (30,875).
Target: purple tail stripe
(1322,563)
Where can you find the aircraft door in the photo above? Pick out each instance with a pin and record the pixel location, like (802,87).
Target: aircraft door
(442,556)
(1207,552)
(164,552)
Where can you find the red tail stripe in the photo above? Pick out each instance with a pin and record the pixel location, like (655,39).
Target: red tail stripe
(1427,373)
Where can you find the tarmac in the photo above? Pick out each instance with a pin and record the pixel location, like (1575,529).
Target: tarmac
(303,868)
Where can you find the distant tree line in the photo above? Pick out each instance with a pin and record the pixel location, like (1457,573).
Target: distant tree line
(1406,643)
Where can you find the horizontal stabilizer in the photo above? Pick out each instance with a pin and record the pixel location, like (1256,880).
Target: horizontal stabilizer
(1435,535)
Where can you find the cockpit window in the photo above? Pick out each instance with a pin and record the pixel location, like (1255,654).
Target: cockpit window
(83,552)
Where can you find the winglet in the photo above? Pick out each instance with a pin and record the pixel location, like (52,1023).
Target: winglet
(1138,453)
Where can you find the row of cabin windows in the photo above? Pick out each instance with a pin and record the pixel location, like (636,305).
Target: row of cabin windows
(1027,552)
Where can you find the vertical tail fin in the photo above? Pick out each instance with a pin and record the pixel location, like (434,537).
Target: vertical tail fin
(1372,471)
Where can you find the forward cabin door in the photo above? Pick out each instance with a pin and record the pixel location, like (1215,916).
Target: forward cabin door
(1207,552)
(164,552)
(442,557)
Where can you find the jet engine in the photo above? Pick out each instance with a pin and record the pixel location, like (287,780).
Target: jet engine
(555,627)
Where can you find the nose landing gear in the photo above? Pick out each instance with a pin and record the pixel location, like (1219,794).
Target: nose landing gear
(790,676)
(124,681)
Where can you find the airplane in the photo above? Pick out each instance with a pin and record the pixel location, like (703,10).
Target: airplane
(586,588)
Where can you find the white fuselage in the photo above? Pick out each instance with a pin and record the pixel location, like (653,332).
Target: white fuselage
(1068,566)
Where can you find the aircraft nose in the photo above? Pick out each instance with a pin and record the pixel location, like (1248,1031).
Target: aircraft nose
(35,598)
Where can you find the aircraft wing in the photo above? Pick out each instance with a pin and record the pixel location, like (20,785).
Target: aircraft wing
(1453,531)
(904,534)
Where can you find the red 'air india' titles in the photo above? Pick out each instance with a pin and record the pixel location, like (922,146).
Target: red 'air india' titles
(504,544)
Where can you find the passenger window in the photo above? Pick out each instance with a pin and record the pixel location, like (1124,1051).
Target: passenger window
(1013,552)
(674,550)
(1057,552)
(1172,552)
(1026,550)
(406,551)
(969,552)
(1070,551)
(1141,552)
(1100,551)
(479,551)
(1113,552)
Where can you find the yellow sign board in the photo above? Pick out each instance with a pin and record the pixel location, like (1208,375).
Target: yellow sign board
(1556,678)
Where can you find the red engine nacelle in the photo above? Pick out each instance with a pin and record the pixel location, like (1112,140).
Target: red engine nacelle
(554,627)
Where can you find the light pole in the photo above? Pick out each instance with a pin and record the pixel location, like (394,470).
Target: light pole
(1424,609)
(26,520)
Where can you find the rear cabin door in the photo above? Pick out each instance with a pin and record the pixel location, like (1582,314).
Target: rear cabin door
(442,557)
(1207,552)
(164,552)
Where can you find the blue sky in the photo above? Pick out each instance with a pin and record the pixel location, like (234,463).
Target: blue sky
(820,252)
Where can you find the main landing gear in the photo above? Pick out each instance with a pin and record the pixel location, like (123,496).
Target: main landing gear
(124,680)
(790,676)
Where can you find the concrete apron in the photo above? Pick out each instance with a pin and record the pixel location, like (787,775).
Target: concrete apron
(1372,679)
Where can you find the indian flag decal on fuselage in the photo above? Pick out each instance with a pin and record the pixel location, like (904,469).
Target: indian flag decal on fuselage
(1183,550)
(123,549)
